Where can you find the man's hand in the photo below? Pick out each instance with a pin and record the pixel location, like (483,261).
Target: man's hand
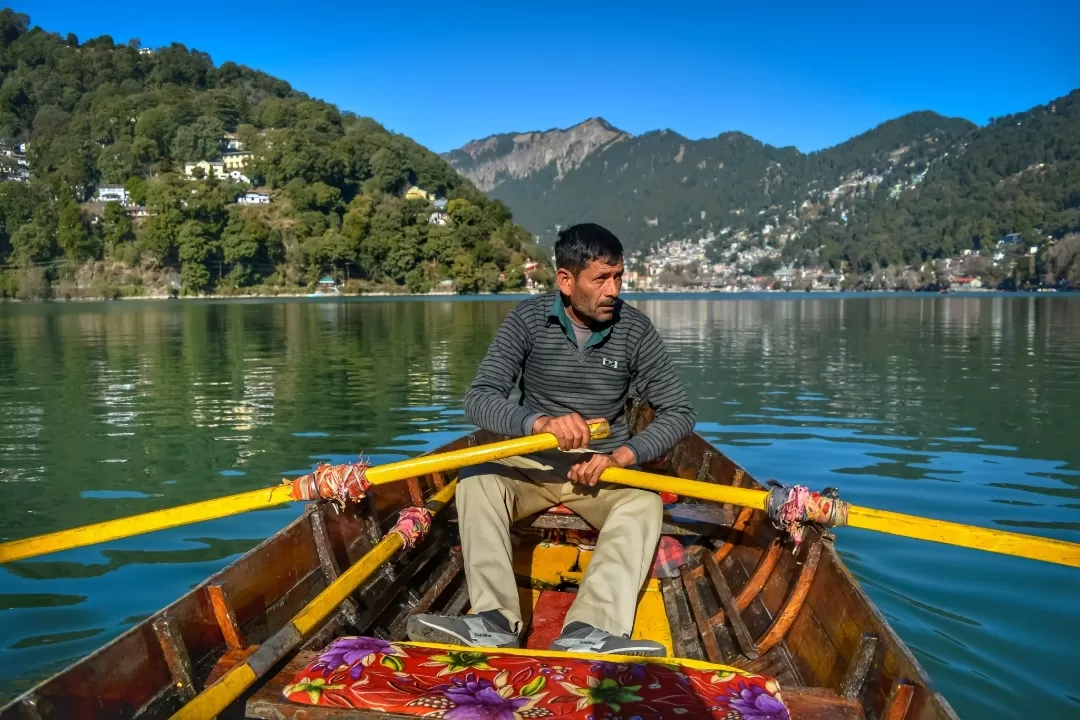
(571,430)
(588,471)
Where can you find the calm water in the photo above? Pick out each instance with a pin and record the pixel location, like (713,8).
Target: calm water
(961,408)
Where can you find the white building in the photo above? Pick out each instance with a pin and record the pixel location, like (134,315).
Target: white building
(235,160)
(215,168)
(239,176)
(112,193)
(254,197)
(785,274)
(232,142)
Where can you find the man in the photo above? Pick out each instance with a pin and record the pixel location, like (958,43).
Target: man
(577,352)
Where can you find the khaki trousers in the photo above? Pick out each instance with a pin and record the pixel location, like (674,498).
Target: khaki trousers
(492,495)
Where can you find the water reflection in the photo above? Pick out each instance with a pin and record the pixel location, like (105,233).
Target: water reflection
(958,408)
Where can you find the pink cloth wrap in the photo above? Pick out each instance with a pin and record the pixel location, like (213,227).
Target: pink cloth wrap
(340,483)
(412,525)
(792,508)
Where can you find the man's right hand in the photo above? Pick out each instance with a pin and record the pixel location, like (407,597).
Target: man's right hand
(571,430)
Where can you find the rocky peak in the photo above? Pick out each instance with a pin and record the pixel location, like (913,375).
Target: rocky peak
(490,161)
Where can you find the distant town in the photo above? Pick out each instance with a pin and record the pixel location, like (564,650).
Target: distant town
(693,265)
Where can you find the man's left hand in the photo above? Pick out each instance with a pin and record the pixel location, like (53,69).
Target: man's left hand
(588,471)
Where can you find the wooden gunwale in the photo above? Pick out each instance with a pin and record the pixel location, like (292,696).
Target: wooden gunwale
(819,642)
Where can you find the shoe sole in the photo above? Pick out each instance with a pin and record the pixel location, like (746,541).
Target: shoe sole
(421,631)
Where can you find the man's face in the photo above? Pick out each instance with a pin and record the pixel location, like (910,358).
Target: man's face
(594,293)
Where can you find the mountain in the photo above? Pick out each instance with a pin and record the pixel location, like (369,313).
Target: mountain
(499,158)
(228,179)
(917,187)
(1018,175)
(662,185)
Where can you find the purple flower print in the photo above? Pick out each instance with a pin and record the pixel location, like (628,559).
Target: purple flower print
(350,651)
(477,699)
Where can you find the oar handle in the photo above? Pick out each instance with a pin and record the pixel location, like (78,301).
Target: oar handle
(1002,542)
(454,459)
(269,497)
(893,523)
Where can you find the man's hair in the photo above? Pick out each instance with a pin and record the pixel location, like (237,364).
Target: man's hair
(578,245)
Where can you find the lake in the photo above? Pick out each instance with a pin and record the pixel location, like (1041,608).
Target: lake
(962,408)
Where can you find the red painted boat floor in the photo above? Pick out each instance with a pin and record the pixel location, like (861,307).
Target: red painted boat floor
(547,618)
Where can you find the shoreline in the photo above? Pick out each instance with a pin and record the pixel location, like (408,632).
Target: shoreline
(711,294)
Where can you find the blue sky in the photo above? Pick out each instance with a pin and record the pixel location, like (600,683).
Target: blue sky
(808,74)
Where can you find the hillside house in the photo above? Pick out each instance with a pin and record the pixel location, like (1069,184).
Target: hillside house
(236,160)
(239,177)
(415,193)
(208,167)
(231,141)
(439,218)
(13,171)
(1012,239)
(965,282)
(254,197)
(440,203)
(112,193)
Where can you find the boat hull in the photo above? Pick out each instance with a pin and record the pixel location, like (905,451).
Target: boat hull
(797,616)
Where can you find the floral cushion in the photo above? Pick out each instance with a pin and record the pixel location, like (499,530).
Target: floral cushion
(453,684)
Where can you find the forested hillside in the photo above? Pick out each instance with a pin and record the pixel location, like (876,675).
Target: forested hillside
(97,113)
(661,186)
(1019,174)
(919,187)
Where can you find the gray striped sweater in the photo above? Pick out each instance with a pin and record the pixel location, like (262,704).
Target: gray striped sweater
(537,345)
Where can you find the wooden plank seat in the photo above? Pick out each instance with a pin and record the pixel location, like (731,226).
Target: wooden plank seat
(679,519)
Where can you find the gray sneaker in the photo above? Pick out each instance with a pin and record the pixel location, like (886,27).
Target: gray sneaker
(471,630)
(579,637)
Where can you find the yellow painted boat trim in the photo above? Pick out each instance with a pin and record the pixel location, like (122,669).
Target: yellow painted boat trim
(539,654)
(546,566)
(551,565)
(651,621)
(218,696)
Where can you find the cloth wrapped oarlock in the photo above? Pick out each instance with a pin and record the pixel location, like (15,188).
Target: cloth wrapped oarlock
(792,507)
(412,525)
(340,483)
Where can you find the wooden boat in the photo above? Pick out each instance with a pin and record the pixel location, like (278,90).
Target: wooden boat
(741,598)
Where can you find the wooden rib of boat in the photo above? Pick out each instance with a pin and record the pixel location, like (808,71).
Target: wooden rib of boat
(742,598)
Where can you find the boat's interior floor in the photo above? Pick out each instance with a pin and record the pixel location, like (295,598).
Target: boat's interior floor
(547,575)
(549,608)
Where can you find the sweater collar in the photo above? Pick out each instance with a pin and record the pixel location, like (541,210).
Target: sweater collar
(558,312)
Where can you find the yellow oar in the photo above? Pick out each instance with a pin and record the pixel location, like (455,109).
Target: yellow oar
(269,497)
(893,523)
(214,699)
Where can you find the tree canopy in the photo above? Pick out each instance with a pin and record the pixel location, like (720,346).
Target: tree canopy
(97,113)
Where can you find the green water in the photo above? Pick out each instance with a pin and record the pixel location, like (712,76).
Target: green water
(961,408)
